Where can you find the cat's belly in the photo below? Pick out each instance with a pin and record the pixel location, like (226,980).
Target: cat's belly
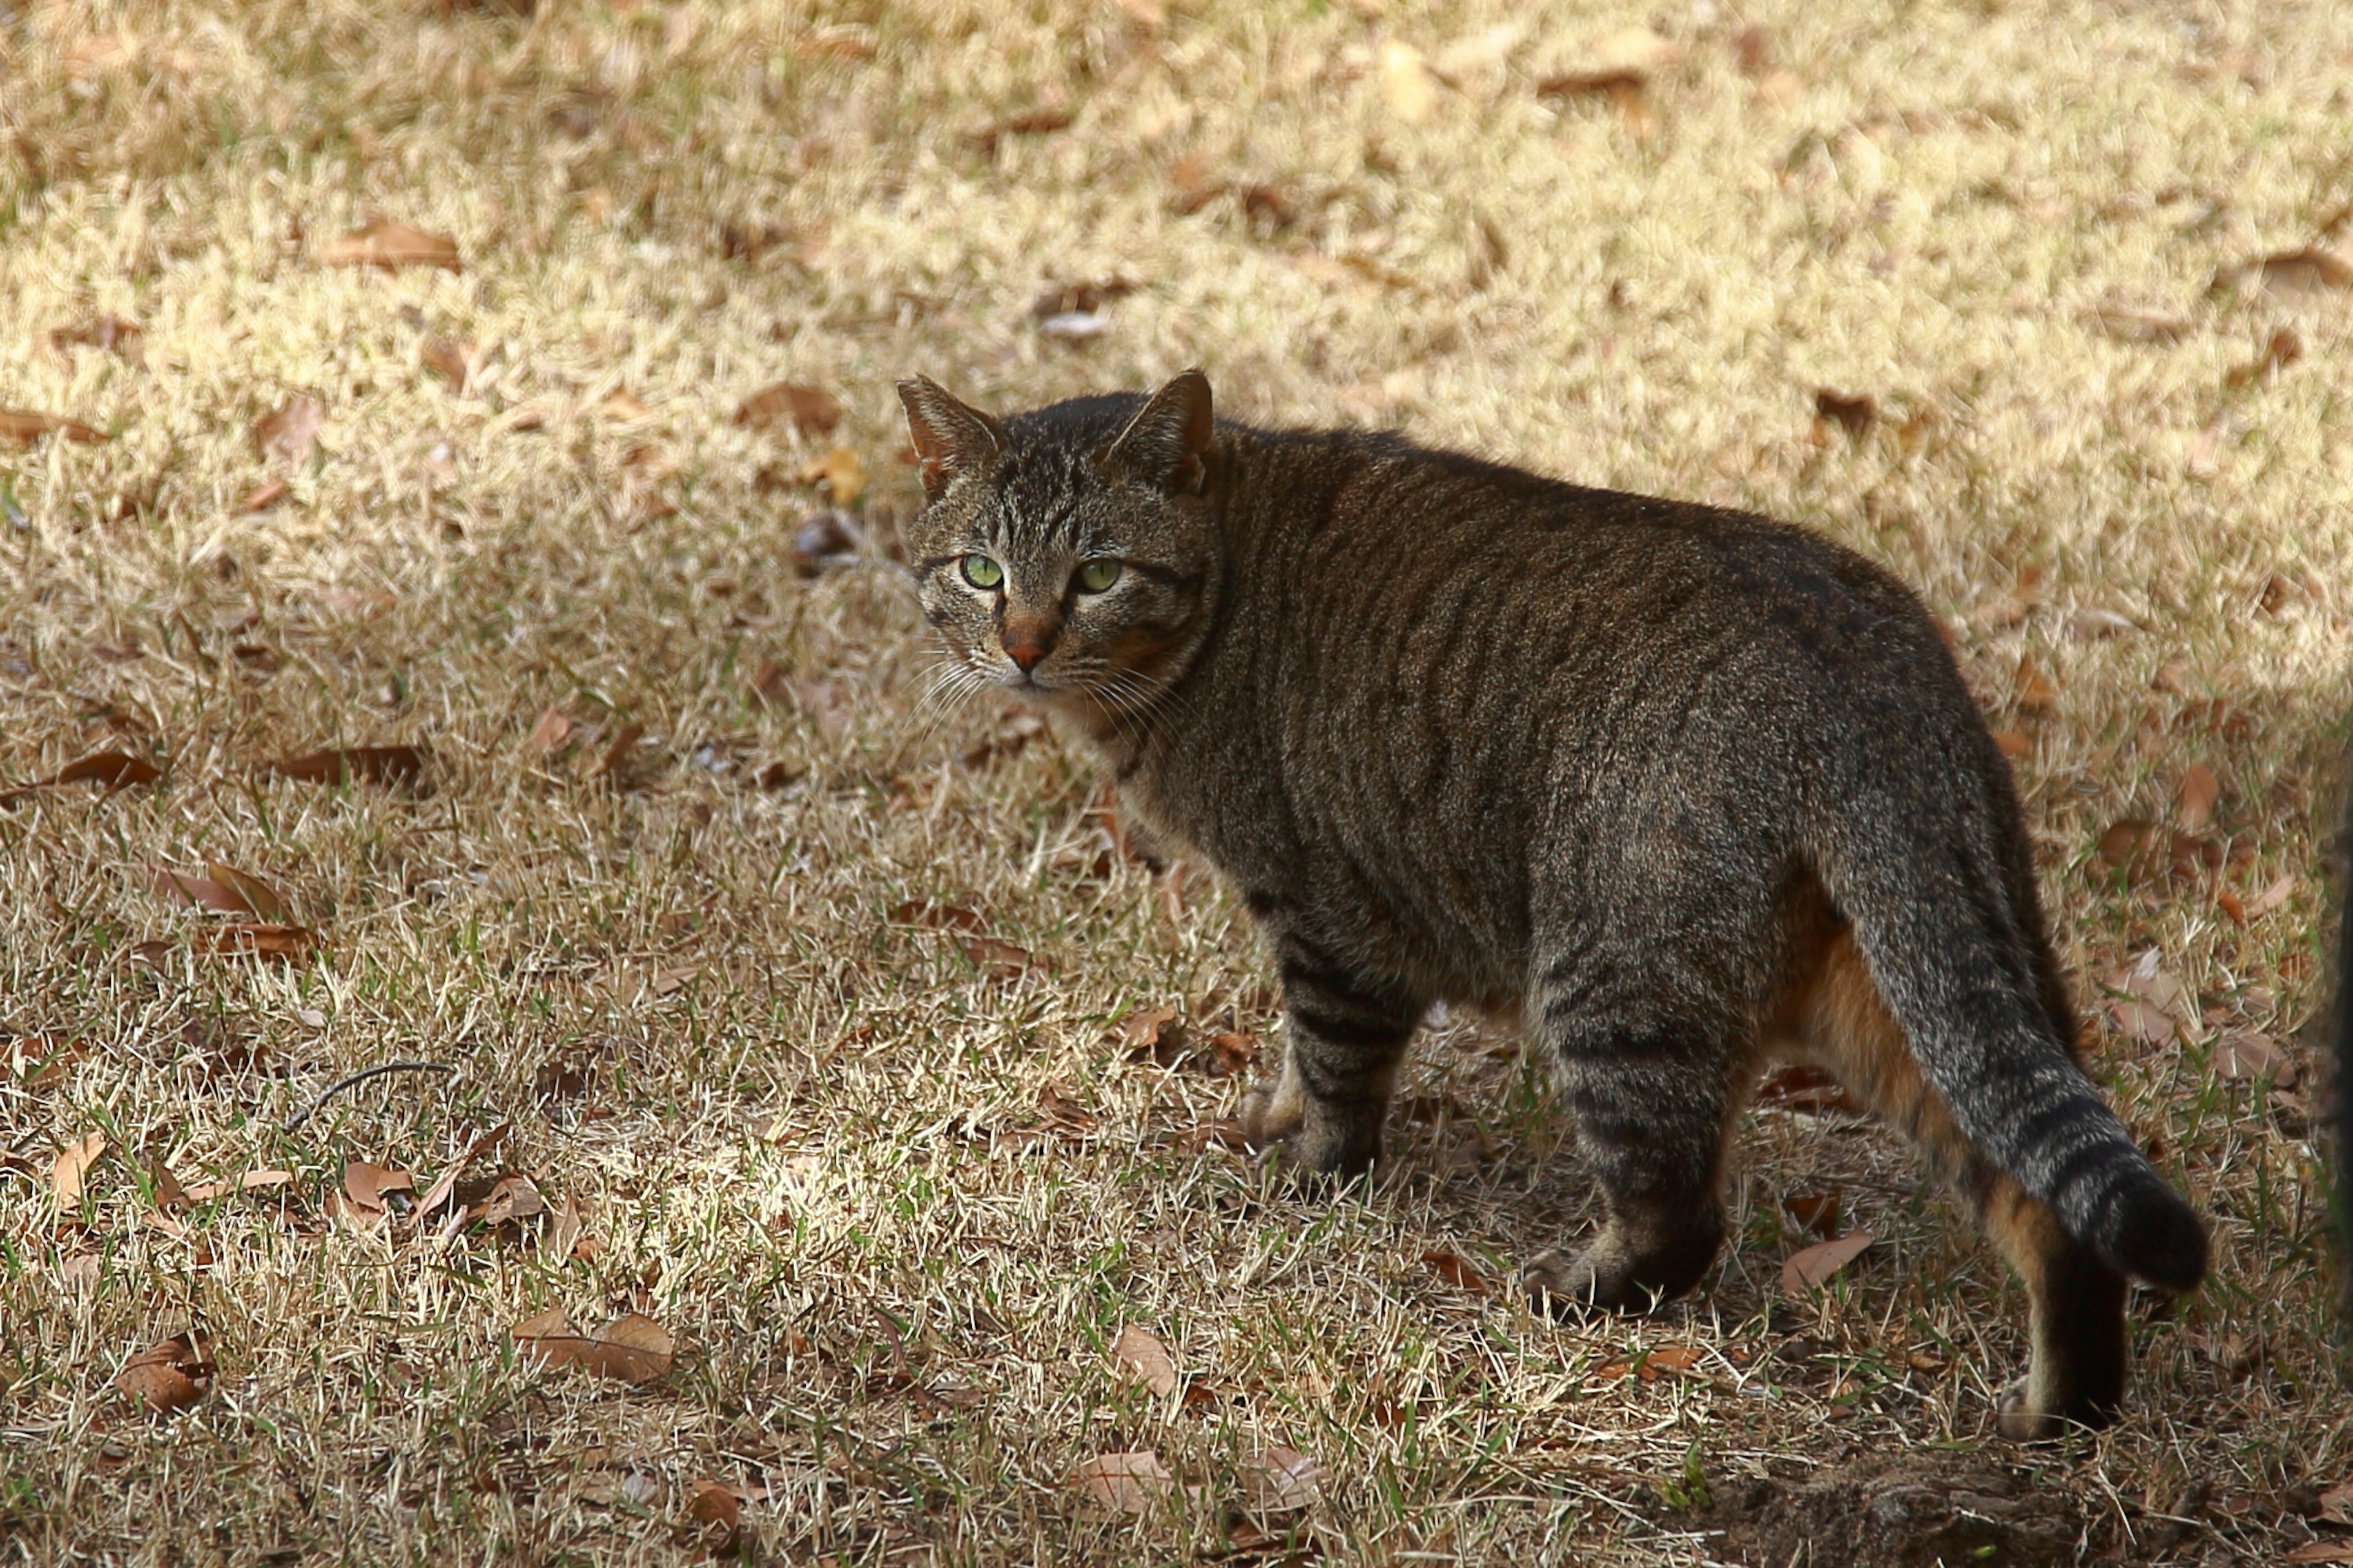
(1443,915)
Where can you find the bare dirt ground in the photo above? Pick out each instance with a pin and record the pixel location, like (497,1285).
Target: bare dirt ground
(781,1180)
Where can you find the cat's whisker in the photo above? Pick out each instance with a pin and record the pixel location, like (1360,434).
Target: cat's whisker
(951,688)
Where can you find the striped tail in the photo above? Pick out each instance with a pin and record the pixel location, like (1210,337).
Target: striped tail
(1956,967)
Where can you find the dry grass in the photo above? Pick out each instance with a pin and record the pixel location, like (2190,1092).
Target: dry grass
(893,1205)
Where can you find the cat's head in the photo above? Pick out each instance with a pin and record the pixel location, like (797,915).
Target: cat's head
(1069,555)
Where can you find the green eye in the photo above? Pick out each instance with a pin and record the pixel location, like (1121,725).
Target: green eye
(982,572)
(1094,576)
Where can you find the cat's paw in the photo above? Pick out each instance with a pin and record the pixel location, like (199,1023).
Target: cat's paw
(1566,1286)
(1313,1150)
(1270,1116)
(2016,1417)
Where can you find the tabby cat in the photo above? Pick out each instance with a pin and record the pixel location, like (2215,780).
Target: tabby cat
(1679,787)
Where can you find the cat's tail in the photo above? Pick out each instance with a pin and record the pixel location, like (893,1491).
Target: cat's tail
(1917,866)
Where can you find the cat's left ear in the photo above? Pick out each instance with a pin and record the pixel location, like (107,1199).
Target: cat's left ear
(1167,442)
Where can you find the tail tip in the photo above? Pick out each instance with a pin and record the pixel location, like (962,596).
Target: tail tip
(2158,1238)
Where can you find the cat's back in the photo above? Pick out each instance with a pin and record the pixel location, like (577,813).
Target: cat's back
(1366,538)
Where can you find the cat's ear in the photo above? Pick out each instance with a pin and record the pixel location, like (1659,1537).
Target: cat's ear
(951,439)
(1167,442)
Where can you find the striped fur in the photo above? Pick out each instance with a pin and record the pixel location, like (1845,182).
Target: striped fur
(1681,786)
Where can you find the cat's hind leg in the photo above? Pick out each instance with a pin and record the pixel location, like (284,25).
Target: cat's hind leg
(2079,1352)
(1649,1091)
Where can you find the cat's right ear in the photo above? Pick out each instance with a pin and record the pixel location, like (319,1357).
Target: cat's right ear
(951,439)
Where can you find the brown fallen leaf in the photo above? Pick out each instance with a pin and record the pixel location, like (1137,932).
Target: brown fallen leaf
(1219,1134)
(452,364)
(2138,1019)
(2200,790)
(770,684)
(996,959)
(1195,183)
(1230,1053)
(168,1192)
(2010,743)
(2121,842)
(2244,1055)
(39,1061)
(2139,849)
(1813,1266)
(1676,1358)
(842,474)
(2203,460)
(619,753)
(2273,896)
(1815,1212)
(1139,1353)
(68,1171)
(289,944)
(825,537)
(553,729)
(115,770)
(624,406)
(25,426)
(367,1185)
(632,1348)
(289,430)
(438,1193)
(2093,623)
(567,1236)
(203,892)
(1680,1359)
(105,332)
(2310,270)
(715,1507)
(514,1198)
(2321,1551)
(391,245)
(2036,693)
(1851,412)
(561,1077)
(252,1180)
(259,897)
(936,916)
(1798,1086)
(1037,122)
(1456,1270)
(1065,1113)
(1619,67)
(811,410)
(263,496)
(2336,1503)
(343,764)
(1280,1481)
(1150,1035)
(169,1375)
(2282,348)
(1123,1483)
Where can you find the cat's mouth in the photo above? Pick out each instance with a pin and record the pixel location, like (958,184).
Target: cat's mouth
(1028,682)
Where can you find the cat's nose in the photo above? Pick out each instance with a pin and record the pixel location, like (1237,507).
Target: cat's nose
(1026,642)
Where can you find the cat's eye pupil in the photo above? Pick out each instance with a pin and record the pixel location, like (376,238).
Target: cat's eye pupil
(982,572)
(1094,576)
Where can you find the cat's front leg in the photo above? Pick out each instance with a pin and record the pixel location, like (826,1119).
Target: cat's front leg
(1346,1036)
